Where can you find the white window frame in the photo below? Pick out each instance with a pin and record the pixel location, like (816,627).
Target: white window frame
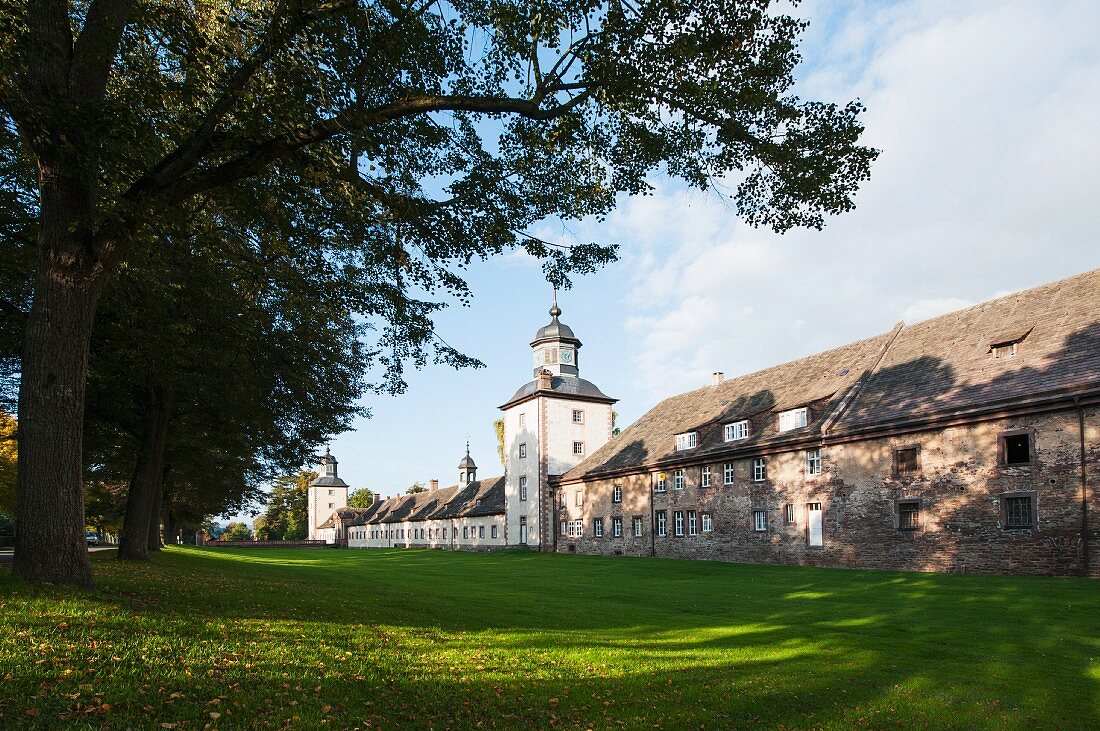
(564,528)
(662,523)
(678,480)
(727,473)
(759,469)
(813,462)
(687,440)
(708,523)
(494,531)
(692,523)
(523,450)
(793,419)
(578,416)
(523,487)
(579,500)
(736,431)
(678,522)
(523,421)
(638,526)
(578,448)
(617,494)
(704,476)
(597,527)
(662,482)
(789,515)
(617,527)
(760,520)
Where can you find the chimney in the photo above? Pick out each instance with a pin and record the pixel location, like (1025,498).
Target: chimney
(433,485)
(544,380)
(718,377)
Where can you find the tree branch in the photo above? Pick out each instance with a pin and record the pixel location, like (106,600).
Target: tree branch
(95,49)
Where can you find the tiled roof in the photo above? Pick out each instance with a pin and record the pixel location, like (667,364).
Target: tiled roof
(940,366)
(944,365)
(824,377)
(447,502)
(568,386)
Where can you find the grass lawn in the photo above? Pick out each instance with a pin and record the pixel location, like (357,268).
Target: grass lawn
(221,638)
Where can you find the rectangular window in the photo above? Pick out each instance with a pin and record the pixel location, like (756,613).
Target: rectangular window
(678,479)
(563,528)
(580,498)
(578,416)
(465,532)
(617,527)
(523,450)
(1019,511)
(759,470)
(908,514)
(1016,448)
(906,461)
(686,440)
(561,499)
(523,487)
(708,525)
(760,520)
(704,476)
(597,527)
(578,447)
(638,526)
(691,523)
(617,494)
(662,482)
(331,492)
(662,527)
(678,522)
(813,461)
(578,528)
(793,419)
(494,531)
(737,430)
(727,473)
(331,506)
(522,421)
(788,513)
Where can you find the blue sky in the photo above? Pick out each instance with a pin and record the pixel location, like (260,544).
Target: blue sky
(986,115)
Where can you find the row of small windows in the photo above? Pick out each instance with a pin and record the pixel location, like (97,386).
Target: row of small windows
(421,533)
(575,528)
(738,430)
(1015,448)
(578,418)
(578,449)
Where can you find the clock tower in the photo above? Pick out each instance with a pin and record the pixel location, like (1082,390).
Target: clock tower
(550,425)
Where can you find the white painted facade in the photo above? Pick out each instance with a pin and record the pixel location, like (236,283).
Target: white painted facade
(325,495)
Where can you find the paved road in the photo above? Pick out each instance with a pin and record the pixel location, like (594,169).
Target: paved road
(6,553)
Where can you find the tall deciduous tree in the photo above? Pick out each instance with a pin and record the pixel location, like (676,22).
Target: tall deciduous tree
(434,132)
(287,512)
(361,498)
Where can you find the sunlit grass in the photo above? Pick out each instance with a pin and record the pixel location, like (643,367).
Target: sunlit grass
(418,639)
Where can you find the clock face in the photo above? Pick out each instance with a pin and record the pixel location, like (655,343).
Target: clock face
(567,356)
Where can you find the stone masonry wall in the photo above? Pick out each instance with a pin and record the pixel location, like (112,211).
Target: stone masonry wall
(961,486)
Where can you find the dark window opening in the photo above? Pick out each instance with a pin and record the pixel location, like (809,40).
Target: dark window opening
(907,461)
(1018,512)
(909,515)
(1017,448)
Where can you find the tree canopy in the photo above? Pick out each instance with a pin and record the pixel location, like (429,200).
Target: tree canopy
(399,141)
(361,498)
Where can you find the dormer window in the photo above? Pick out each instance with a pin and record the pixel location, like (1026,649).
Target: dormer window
(737,430)
(793,419)
(1007,347)
(687,440)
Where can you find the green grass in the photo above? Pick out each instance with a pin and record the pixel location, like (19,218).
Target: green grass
(418,639)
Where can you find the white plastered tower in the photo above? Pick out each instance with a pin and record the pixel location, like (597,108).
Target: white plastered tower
(550,425)
(326,493)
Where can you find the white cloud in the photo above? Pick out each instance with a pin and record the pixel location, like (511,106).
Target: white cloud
(986,117)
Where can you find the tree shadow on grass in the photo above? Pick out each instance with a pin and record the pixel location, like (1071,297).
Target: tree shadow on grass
(424,639)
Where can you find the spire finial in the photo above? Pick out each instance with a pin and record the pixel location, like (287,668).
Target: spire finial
(555,310)
(326,451)
(467,446)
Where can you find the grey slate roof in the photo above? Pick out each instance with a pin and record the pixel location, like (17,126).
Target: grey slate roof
(944,365)
(328,481)
(563,386)
(447,502)
(822,377)
(935,368)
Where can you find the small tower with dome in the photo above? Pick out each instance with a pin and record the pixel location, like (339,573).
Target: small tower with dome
(550,425)
(467,470)
(326,493)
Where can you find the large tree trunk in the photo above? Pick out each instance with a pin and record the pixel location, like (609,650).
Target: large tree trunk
(49,543)
(155,543)
(145,484)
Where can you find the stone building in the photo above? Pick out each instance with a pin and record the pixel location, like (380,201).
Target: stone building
(326,493)
(969,442)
